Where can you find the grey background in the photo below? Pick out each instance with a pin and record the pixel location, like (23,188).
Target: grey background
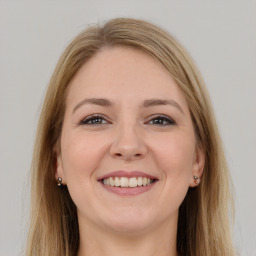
(220,36)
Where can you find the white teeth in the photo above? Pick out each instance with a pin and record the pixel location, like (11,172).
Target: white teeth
(117,182)
(125,182)
(140,181)
(112,182)
(133,182)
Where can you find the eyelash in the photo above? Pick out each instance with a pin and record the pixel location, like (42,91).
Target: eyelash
(163,118)
(90,120)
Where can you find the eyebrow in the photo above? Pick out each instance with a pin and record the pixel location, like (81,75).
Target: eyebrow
(94,101)
(157,102)
(146,103)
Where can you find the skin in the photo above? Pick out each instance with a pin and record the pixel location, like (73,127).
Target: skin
(127,136)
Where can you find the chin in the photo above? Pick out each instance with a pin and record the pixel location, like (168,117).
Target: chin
(133,222)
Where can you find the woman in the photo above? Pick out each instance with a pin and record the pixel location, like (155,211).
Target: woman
(128,159)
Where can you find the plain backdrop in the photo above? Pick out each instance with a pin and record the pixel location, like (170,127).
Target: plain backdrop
(220,36)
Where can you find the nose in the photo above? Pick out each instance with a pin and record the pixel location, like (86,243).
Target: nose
(128,144)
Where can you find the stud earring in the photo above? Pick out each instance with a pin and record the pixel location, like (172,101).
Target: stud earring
(59,184)
(196,180)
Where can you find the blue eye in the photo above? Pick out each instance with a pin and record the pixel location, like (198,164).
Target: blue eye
(162,121)
(94,120)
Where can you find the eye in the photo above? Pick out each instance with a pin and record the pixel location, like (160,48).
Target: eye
(161,120)
(94,120)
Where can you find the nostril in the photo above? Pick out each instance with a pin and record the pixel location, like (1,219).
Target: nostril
(128,155)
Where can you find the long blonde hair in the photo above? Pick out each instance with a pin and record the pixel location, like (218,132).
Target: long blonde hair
(203,225)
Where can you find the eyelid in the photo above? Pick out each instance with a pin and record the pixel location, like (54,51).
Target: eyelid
(168,119)
(162,116)
(90,117)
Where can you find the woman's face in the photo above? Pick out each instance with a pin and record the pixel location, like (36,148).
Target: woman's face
(128,152)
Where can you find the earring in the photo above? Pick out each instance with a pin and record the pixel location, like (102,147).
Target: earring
(59,184)
(196,180)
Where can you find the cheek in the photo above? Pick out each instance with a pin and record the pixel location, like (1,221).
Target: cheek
(175,159)
(175,156)
(81,156)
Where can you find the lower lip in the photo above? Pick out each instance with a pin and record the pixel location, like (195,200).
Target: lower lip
(128,191)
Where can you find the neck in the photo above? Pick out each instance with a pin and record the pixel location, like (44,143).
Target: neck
(95,242)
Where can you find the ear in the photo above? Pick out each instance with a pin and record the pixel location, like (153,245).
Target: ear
(198,166)
(59,173)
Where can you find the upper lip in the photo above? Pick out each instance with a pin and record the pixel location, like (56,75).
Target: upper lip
(127,174)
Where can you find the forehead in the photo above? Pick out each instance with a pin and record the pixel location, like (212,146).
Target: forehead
(125,73)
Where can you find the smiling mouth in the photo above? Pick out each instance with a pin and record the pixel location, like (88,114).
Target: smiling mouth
(124,182)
